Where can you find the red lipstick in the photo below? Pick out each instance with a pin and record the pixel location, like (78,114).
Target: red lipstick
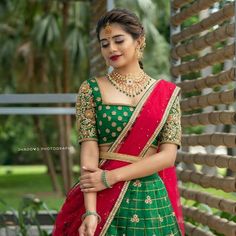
(114,58)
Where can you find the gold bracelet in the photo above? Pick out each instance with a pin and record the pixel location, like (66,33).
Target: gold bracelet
(104,180)
(89,213)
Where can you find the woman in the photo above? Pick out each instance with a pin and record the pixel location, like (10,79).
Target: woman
(131,123)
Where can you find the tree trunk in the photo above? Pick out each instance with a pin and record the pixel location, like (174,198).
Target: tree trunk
(66,89)
(47,158)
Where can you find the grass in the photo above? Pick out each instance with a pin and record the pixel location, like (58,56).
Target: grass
(16,181)
(22,170)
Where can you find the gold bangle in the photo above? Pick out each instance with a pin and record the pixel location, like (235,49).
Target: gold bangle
(104,180)
(89,213)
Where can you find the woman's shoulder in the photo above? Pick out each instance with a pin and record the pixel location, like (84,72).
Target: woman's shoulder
(85,87)
(95,80)
(101,78)
(90,85)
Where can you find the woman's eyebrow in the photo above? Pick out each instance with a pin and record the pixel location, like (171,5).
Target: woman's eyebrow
(115,36)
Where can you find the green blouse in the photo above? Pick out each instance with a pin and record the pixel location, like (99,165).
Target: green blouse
(104,122)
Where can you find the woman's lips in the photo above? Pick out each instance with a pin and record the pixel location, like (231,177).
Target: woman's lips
(114,58)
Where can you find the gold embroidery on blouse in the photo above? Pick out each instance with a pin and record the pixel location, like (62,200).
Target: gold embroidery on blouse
(85,114)
(171,131)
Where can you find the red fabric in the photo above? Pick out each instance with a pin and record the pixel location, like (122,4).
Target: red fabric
(69,217)
(169,178)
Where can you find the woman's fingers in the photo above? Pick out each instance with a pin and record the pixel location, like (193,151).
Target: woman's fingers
(88,180)
(88,190)
(86,186)
(89,232)
(81,230)
(81,234)
(85,176)
(84,182)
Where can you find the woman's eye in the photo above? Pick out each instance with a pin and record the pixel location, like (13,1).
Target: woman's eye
(104,45)
(120,41)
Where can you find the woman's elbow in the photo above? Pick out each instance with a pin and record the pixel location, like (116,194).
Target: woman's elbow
(89,153)
(170,151)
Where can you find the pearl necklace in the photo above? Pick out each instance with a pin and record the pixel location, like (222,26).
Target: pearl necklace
(129,84)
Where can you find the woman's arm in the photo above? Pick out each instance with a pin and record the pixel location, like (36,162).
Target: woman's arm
(89,156)
(147,166)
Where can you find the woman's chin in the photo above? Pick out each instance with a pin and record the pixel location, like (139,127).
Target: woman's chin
(117,65)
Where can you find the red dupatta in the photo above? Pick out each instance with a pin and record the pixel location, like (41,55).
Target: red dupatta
(154,108)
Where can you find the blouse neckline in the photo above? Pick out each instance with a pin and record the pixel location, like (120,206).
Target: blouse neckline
(119,104)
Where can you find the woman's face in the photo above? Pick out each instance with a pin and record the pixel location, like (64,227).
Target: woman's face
(118,47)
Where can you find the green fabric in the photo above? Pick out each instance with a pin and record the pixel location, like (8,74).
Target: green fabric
(145,210)
(110,119)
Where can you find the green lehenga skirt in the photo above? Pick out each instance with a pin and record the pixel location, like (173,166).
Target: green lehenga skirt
(145,210)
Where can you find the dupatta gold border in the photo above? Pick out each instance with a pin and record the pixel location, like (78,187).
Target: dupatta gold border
(163,120)
(122,135)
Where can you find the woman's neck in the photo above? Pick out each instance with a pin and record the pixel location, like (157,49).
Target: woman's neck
(133,68)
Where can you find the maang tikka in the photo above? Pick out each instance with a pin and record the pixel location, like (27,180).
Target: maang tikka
(108,29)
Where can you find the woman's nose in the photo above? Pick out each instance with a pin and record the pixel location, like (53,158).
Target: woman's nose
(112,47)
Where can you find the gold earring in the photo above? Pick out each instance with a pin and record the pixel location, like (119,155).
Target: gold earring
(139,53)
(142,46)
(139,50)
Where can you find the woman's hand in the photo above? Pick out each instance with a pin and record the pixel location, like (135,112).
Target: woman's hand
(92,181)
(88,226)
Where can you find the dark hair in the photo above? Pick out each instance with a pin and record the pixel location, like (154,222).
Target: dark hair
(128,21)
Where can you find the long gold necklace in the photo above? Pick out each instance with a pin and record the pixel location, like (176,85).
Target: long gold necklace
(129,84)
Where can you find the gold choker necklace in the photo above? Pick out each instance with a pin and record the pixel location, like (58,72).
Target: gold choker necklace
(129,84)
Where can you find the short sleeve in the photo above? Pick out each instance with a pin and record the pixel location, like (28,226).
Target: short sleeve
(85,114)
(172,131)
